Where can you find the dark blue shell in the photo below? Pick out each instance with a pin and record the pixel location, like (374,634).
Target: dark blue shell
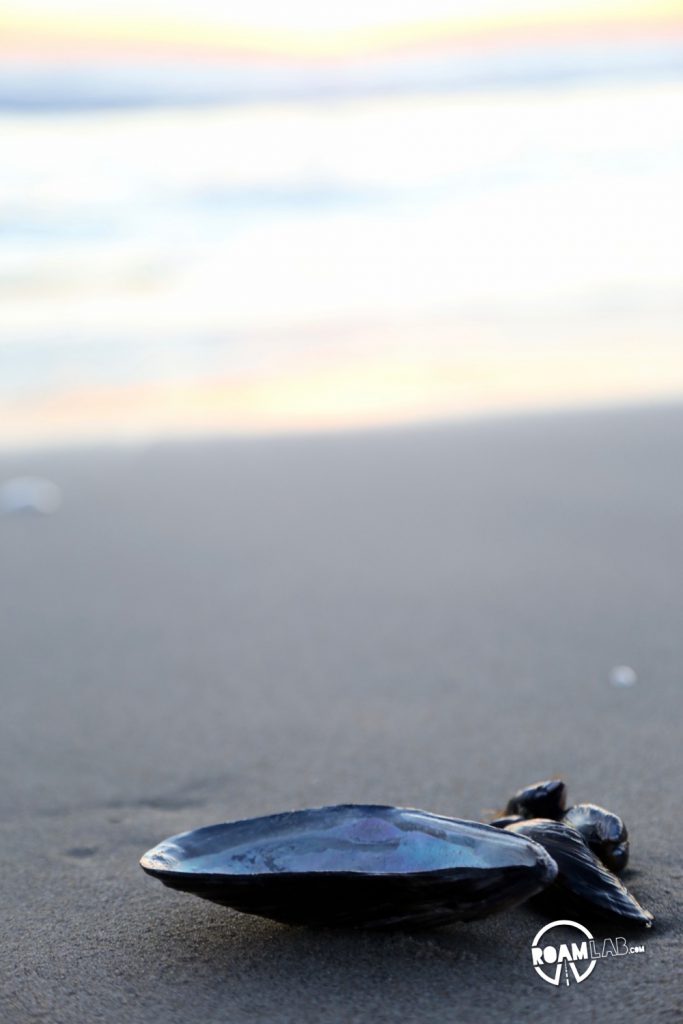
(372,866)
(539,800)
(583,882)
(603,831)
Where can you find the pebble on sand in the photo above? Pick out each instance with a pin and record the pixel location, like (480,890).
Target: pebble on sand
(29,494)
(622,676)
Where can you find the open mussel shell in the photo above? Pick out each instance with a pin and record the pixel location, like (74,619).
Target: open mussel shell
(582,880)
(355,865)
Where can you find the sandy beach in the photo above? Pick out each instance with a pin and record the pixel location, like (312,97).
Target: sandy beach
(426,617)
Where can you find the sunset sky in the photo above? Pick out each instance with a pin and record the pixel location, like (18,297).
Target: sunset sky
(308,29)
(483,213)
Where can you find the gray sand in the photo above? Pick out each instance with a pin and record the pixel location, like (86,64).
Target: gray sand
(428,617)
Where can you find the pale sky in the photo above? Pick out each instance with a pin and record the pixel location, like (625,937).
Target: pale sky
(313,16)
(307,26)
(293,266)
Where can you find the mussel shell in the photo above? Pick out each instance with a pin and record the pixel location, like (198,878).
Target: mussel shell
(582,882)
(539,800)
(355,865)
(603,831)
(506,819)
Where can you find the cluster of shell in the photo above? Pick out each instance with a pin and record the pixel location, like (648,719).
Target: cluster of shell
(377,866)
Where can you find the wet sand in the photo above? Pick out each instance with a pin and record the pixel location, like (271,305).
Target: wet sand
(426,617)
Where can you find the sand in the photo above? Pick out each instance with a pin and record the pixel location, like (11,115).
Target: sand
(214,630)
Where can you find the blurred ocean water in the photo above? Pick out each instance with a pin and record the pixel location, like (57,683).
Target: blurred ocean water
(392,254)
